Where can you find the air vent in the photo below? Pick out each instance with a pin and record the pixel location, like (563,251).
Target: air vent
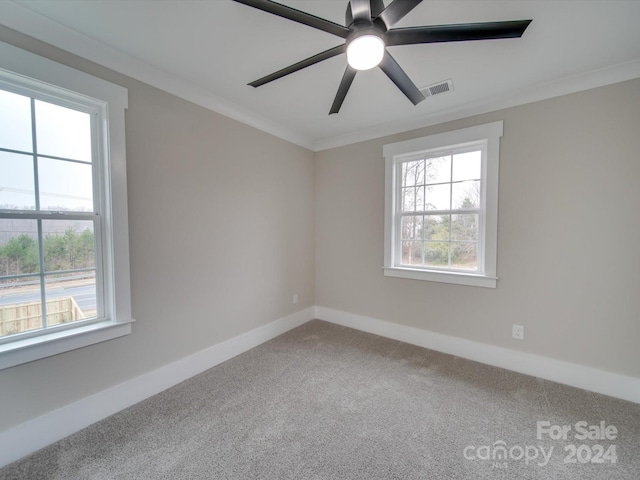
(437,88)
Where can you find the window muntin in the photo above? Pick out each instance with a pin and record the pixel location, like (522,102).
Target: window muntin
(441,206)
(50,208)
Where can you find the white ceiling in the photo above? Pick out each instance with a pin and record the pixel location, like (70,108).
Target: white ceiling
(208,50)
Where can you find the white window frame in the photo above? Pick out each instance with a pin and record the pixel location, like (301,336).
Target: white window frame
(109,101)
(395,153)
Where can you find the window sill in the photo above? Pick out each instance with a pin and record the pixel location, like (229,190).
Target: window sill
(34,348)
(457,278)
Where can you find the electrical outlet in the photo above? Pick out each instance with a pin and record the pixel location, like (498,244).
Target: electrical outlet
(518,332)
(295,298)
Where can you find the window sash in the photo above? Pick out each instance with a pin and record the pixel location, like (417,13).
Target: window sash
(399,212)
(96,217)
(479,243)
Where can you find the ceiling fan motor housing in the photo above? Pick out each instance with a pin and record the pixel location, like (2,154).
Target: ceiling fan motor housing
(365,30)
(377,6)
(365,27)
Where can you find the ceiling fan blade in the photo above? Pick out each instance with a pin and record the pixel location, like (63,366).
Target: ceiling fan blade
(396,11)
(456,33)
(361,11)
(400,78)
(345,83)
(297,16)
(332,52)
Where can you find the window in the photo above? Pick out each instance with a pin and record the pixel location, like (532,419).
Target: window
(441,206)
(64,266)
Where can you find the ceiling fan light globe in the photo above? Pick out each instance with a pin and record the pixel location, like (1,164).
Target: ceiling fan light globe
(365,52)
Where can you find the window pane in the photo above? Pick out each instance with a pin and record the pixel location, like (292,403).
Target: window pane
(436,254)
(464,256)
(467,166)
(412,253)
(15,122)
(18,247)
(438,170)
(465,227)
(20,305)
(65,185)
(63,132)
(68,244)
(411,228)
(70,297)
(436,227)
(409,199)
(466,195)
(17,182)
(413,173)
(438,197)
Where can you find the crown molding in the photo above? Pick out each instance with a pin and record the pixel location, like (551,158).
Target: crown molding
(26,21)
(565,86)
(20,18)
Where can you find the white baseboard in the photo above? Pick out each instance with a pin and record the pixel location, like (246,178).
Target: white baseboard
(587,378)
(39,432)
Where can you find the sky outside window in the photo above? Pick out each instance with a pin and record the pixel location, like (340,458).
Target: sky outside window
(65,183)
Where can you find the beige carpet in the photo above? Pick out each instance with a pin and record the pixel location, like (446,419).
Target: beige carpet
(327,402)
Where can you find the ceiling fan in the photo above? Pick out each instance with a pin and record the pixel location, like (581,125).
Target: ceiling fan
(367,34)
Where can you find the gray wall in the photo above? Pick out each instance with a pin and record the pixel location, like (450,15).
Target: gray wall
(221,237)
(568,235)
